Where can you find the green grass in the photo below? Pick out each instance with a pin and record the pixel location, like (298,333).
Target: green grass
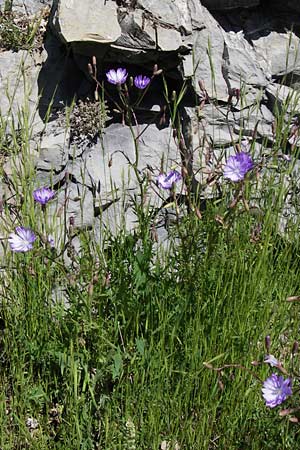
(120,359)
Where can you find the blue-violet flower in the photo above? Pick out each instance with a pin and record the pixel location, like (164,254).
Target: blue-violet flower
(237,166)
(276,389)
(166,181)
(141,82)
(43,195)
(272,361)
(117,76)
(22,240)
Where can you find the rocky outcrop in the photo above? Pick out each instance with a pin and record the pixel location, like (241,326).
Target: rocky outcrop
(239,63)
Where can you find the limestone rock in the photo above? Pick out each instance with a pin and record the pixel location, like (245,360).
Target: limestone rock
(280,95)
(93,21)
(26,6)
(278,53)
(229,4)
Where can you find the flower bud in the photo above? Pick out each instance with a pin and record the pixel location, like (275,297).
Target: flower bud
(201,85)
(295,348)
(268,343)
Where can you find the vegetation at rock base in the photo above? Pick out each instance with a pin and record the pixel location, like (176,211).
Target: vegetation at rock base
(22,32)
(128,341)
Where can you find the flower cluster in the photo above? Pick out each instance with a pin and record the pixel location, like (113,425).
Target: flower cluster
(237,166)
(120,75)
(23,239)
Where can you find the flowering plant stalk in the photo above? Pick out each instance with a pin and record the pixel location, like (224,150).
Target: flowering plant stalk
(119,78)
(278,387)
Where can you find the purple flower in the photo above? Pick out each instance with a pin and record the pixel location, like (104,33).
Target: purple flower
(276,389)
(166,181)
(117,76)
(237,166)
(51,241)
(141,82)
(43,195)
(22,240)
(270,359)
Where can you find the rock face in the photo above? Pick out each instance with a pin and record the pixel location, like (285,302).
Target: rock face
(229,4)
(149,25)
(232,55)
(94,23)
(24,6)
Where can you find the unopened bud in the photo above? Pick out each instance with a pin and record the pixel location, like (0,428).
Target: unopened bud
(174,96)
(153,234)
(208,365)
(268,343)
(90,69)
(237,93)
(295,348)
(198,213)
(201,85)
(156,70)
(184,172)
(255,363)
(96,95)
(130,81)
(90,289)
(107,279)
(293,298)
(94,61)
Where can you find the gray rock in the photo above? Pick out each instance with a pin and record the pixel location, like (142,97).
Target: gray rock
(222,5)
(278,53)
(283,96)
(94,22)
(106,169)
(18,83)
(26,6)
(148,26)
(208,47)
